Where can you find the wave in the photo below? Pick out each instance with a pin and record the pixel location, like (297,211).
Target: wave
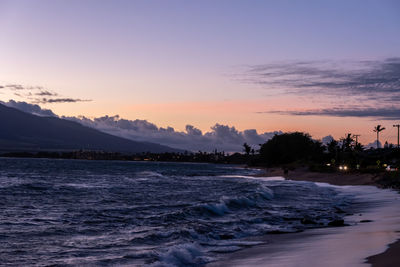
(82,186)
(148,174)
(161,214)
(225,204)
(193,254)
(188,254)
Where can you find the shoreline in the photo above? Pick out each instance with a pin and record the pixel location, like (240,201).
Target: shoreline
(390,257)
(385,253)
(335,178)
(387,258)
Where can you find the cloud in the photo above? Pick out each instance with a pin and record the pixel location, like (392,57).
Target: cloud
(327,139)
(368,88)
(38,94)
(220,137)
(14,87)
(351,78)
(60,100)
(191,130)
(46,93)
(30,108)
(373,145)
(389,113)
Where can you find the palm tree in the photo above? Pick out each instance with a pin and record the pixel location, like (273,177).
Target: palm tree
(247,148)
(378,129)
(347,142)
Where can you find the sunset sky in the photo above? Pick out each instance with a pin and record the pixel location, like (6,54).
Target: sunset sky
(323,67)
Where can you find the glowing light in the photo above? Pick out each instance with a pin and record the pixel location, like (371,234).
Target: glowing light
(343,168)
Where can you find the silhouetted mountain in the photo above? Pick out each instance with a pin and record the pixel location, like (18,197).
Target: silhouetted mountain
(23,131)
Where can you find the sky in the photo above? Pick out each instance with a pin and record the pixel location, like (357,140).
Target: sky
(322,67)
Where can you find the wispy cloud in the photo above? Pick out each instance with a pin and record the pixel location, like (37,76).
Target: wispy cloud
(46,93)
(60,100)
(391,113)
(14,87)
(38,94)
(368,88)
(379,79)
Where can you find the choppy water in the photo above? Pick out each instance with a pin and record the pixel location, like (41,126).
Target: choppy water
(142,213)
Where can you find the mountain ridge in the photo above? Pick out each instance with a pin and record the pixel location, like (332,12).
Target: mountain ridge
(28,132)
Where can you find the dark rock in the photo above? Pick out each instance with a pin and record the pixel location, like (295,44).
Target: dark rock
(278,232)
(366,221)
(226,236)
(339,222)
(339,210)
(307,221)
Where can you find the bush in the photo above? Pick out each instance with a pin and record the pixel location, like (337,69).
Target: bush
(290,147)
(321,168)
(390,180)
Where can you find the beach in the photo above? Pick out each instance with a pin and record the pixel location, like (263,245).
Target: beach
(371,239)
(335,178)
(186,214)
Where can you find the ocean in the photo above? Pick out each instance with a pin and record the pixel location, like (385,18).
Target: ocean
(105,213)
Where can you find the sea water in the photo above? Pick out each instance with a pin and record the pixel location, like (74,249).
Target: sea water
(73,212)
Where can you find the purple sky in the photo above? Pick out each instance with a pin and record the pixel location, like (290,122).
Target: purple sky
(265,65)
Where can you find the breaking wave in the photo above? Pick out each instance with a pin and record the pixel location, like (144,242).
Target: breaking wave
(161,214)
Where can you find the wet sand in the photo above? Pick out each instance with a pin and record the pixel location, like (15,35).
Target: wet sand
(362,244)
(337,178)
(391,257)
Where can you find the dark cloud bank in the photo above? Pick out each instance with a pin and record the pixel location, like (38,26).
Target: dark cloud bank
(369,78)
(221,137)
(374,86)
(390,113)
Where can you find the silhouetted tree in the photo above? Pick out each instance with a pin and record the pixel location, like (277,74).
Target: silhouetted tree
(347,142)
(247,148)
(378,129)
(358,147)
(289,147)
(333,148)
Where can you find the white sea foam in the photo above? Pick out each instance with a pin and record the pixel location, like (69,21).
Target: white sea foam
(272,178)
(148,174)
(83,185)
(182,255)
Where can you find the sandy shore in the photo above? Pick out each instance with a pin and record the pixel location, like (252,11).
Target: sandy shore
(391,257)
(365,244)
(337,178)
